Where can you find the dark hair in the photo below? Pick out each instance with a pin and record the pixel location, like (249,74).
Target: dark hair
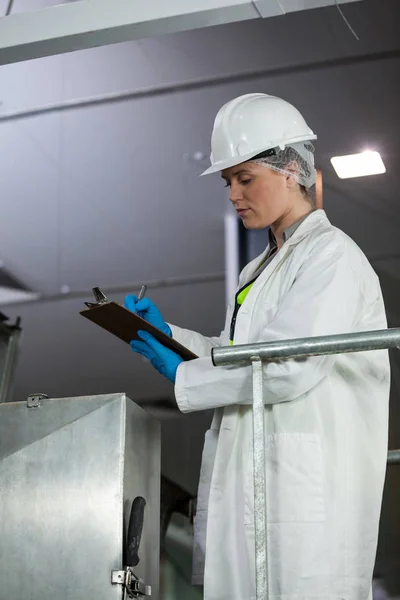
(307,195)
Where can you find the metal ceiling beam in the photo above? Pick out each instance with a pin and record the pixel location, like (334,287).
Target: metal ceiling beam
(89,23)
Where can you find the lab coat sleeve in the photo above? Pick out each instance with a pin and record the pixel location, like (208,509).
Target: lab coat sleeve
(197,343)
(325,299)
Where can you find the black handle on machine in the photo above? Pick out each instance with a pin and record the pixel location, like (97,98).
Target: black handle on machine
(135,531)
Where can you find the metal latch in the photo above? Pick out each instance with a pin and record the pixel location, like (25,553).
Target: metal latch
(33,400)
(133,586)
(100,298)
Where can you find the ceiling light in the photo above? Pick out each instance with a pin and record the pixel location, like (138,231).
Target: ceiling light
(358,165)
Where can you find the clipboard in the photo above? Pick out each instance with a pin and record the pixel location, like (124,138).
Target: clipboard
(124,324)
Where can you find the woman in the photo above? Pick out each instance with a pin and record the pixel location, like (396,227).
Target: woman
(326,418)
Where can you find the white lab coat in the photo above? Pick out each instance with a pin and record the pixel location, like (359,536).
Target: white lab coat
(326,429)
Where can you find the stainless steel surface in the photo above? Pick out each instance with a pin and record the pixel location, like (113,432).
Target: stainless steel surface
(260,503)
(69,472)
(142,478)
(393,457)
(9,345)
(314,346)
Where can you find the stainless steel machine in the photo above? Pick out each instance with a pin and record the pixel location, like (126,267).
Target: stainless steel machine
(79,499)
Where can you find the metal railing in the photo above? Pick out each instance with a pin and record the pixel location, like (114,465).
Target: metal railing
(393,457)
(255,354)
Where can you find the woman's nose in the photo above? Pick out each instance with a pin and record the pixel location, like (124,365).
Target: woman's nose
(235,193)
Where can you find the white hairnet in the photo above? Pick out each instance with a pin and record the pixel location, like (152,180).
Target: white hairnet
(296,160)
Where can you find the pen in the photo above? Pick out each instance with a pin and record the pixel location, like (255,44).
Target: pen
(142,292)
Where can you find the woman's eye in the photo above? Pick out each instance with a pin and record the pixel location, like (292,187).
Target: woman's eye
(241,182)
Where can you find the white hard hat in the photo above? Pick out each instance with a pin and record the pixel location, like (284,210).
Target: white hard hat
(251,124)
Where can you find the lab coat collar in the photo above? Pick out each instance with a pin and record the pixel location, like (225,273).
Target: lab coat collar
(288,232)
(316,219)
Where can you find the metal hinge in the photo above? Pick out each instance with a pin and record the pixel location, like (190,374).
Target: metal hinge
(33,400)
(133,586)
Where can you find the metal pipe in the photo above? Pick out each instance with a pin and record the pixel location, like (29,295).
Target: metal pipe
(194,84)
(260,500)
(393,457)
(303,347)
(126,289)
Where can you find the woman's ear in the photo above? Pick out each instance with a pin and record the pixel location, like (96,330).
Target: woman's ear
(291,180)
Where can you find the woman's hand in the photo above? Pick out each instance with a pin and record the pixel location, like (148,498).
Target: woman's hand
(163,359)
(147,310)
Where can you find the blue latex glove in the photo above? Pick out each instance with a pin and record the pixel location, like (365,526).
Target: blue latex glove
(163,359)
(148,311)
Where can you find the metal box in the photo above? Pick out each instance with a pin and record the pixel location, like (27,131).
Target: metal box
(69,471)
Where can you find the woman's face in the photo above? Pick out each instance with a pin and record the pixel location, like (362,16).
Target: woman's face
(260,195)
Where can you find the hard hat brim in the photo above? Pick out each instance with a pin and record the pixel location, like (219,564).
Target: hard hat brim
(237,160)
(227,164)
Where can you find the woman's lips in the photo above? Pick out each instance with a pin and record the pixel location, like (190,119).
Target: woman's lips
(242,211)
